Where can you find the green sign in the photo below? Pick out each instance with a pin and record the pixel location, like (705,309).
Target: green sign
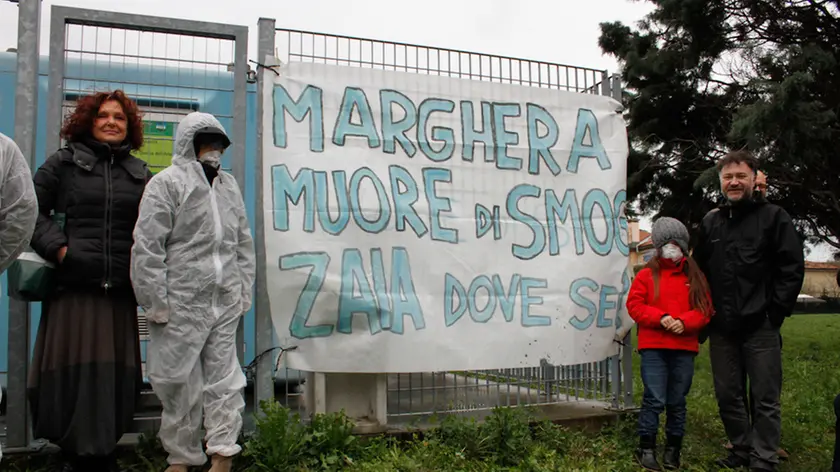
(158,141)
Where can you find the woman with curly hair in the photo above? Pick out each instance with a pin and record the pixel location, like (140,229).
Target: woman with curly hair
(86,371)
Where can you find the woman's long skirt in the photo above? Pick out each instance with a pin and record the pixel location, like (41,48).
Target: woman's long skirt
(86,375)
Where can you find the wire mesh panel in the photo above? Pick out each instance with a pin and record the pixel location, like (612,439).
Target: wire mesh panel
(304,46)
(413,395)
(168,75)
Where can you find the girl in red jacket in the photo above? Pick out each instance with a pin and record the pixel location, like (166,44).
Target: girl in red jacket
(670,302)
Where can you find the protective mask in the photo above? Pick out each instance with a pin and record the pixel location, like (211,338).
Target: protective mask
(672,252)
(212,158)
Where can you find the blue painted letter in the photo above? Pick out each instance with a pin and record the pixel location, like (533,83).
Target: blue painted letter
(529,320)
(352,278)
(318,261)
(402,285)
(452,286)
(541,145)
(439,133)
(284,188)
(405,195)
(483,315)
(504,138)
(355,99)
(470,135)
(310,101)
(380,287)
(598,197)
(583,302)
(394,131)
(379,224)
(538,243)
(587,126)
(606,303)
(437,204)
(332,227)
(507,299)
(564,211)
(620,222)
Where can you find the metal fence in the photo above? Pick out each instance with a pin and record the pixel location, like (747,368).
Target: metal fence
(170,68)
(419,394)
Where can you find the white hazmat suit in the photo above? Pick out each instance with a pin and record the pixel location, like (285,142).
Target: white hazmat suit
(18,203)
(193,272)
(18,206)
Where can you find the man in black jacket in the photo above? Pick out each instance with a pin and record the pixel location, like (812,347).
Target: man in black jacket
(752,256)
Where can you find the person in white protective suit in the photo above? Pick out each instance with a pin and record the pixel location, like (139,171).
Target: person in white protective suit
(193,272)
(18,203)
(18,207)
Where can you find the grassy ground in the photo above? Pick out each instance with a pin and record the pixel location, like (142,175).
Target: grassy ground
(811,362)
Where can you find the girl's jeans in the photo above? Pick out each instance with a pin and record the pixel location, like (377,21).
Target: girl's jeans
(666,375)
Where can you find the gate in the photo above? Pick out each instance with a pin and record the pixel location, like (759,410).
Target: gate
(170,67)
(414,395)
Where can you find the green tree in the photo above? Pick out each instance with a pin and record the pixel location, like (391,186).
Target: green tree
(707,76)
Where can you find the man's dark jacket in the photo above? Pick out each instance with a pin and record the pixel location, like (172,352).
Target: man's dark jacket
(753,259)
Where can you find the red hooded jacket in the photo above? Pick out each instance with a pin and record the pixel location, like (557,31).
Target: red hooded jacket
(673,300)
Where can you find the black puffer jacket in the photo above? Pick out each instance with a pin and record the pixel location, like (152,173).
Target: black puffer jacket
(94,192)
(754,261)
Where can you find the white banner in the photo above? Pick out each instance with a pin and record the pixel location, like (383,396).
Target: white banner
(420,223)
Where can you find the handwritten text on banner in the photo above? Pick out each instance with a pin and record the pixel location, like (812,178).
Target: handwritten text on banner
(422,223)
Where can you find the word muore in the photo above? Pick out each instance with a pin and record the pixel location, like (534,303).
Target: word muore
(397,197)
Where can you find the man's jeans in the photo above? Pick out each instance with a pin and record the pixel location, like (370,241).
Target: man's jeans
(667,375)
(757,356)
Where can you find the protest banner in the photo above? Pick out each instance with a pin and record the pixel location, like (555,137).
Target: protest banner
(423,223)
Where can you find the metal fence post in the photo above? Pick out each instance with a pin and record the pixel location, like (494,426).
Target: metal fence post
(627,347)
(26,111)
(548,377)
(55,97)
(613,364)
(263,382)
(240,110)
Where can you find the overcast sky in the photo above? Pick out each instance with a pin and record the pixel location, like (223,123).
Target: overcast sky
(544,30)
(534,29)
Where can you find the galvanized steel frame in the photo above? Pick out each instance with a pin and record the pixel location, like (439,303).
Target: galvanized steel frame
(62,16)
(26,124)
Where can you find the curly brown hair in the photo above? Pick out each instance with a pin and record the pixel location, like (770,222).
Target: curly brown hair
(78,125)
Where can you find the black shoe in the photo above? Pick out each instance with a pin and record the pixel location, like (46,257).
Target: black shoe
(733,461)
(647,459)
(671,460)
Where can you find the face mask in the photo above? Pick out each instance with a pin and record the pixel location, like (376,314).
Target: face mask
(211,158)
(672,252)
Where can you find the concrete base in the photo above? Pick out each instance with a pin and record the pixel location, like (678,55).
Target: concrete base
(362,397)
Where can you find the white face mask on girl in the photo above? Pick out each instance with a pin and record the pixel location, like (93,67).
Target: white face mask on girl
(212,158)
(672,251)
